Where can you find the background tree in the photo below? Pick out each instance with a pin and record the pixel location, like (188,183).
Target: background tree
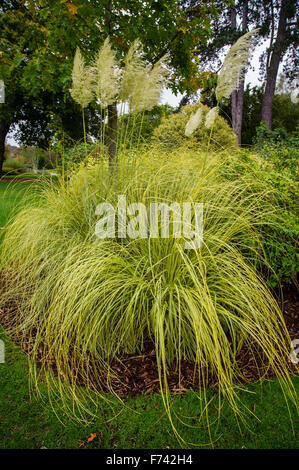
(237,99)
(277,24)
(32,75)
(283,27)
(38,42)
(232,23)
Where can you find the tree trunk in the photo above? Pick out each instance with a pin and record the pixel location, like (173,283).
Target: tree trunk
(272,70)
(4,128)
(233,23)
(238,95)
(112,134)
(112,108)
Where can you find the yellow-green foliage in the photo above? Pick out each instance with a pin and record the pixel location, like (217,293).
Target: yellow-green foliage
(171,132)
(78,296)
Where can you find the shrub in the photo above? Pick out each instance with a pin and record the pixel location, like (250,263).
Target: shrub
(77,154)
(279,148)
(79,298)
(141,127)
(13,166)
(278,168)
(279,231)
(170,133)
(285,113)
(280,239)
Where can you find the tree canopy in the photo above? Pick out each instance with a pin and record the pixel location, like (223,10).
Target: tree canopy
(38,42)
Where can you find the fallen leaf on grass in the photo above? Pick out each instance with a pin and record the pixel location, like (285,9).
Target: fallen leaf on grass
(92,437)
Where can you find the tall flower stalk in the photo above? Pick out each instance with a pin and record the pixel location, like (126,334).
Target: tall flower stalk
(136,84)
(81,90)
(231,74)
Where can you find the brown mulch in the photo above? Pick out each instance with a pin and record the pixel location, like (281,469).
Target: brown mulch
(139,374)
(18,180)
(291,310)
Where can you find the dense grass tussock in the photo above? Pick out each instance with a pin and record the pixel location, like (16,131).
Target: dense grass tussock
(79,297)
(170,134)
(279,234)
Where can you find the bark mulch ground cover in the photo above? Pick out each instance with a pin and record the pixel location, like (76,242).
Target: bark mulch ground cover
(18,180)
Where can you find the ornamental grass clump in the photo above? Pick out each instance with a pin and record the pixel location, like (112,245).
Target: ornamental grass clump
(81,302)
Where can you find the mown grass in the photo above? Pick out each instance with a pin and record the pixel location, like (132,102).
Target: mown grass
(27,422)
(11,195)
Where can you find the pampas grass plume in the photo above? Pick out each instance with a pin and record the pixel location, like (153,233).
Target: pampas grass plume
(81,91)
(134,71)
(194,121)
(210,117)
(148,87)
(294,95)
(106,75)
(234,65)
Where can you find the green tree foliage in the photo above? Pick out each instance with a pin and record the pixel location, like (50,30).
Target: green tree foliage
(142,128)
(31,75)
(285,112)
(282,43)
(39,38)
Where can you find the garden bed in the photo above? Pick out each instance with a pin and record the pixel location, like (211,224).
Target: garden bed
(132,375)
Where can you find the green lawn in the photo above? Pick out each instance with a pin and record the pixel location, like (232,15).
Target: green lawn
(11,195)
(28,422)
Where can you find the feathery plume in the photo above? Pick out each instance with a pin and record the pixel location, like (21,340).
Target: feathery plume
(210,117)
(81,87)
(156,80)
(294,95)
(234,65)
(133,72)
(2,92)
(194,121)
(105,74)
(148,87)
(141,84)
(137,96)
